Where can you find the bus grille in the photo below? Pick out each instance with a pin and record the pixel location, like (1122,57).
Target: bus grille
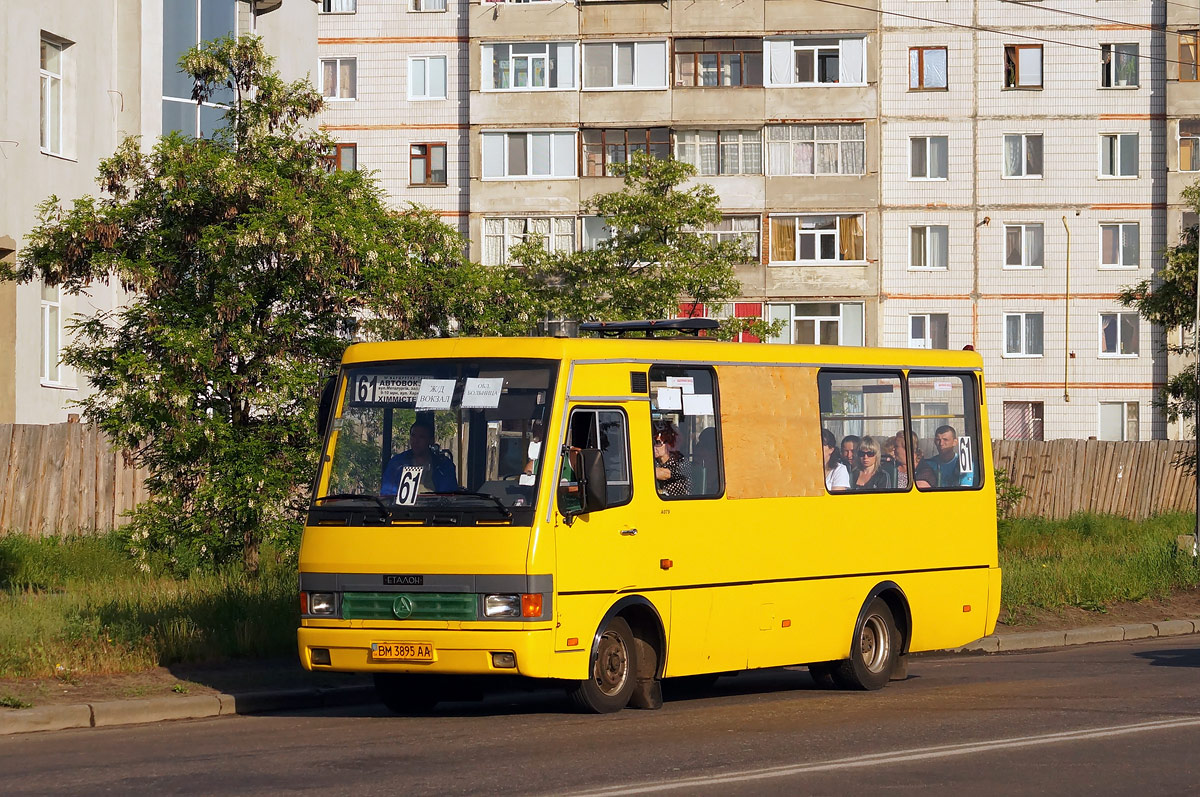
(424,606)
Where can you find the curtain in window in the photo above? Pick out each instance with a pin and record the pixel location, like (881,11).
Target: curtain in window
(341,6)
(329,78)
(731,149)
(1033,155)
(1012,334)
(540,150)
(346,78)
(598,65)
(850,233)
(564,235)
(751,152)
(1030,63)
(493,242)
(1012,156)
(1129,333)
(939,247)
(783,239)
(564,68)
(708,156)
(564,154)
(1012,246)
(651,60)
(779,150)
(851,63)
(1130,245)
(854,149)
(1110,238)
(939,156)
(780,53)
(493,154)
(1034,255)
(917,247)
(1033,333)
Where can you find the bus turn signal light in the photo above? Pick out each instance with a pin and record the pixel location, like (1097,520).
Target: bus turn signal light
(531,604)
(303,603)
(966,608)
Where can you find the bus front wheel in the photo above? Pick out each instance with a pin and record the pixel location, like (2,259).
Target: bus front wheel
(614,671)
(873,650)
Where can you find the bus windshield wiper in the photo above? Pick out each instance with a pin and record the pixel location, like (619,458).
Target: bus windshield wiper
(383,509)
(499,504)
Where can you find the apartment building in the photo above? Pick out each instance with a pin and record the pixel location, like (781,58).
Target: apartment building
(77,78)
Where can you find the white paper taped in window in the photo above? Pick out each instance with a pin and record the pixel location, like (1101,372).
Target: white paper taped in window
(435,394)
(685,383)
(482,393)
(697,404)
(669,398)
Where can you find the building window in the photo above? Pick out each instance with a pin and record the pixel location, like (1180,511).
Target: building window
(730,310)
(342,157)
(339,6)
(926,68)
(339,78)
(929,158)
(1024,246)
(427,164)
(1022,66)
(52,97)
(744,229)
(1023,334)
(1189,145)
(540,154)
(603,149)
(817,239)
(625,65)
(718,62)
(720,152)
(427,5)
(1187,54)
(816,61)
(1024,420)
(1119,155)
(1118,65)
(1119,245)
(1118,334)
(803,150)
(427,77)
(1119,420)
(929,247)
(529,66)
(1023,155)
(819,323)
(51,369)
(186,23)
(929,331)
(500,235)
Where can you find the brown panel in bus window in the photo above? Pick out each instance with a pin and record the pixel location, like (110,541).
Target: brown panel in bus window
(772,437)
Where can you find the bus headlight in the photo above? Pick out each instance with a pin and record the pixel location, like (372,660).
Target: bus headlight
(502,605)
(321,603)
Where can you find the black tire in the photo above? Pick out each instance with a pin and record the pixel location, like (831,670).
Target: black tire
(614,671)
(873,650)
(407,694)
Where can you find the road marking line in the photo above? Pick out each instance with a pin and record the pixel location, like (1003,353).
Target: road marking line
(896,757)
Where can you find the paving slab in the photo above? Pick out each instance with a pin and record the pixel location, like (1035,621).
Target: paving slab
(1090,634)
(1140,631)
(44,718)
(155,709)
(1030,640)
(1175,627)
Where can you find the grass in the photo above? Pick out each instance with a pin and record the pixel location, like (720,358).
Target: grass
(1091,561)
(79,606)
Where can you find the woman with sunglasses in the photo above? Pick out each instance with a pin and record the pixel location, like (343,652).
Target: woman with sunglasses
(672,473)
(868,474)
(837,478)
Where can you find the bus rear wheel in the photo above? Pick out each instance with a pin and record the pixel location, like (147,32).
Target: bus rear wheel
(614,671)
(407,694)
(873,650)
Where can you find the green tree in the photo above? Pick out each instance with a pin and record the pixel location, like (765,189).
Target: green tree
(654,259)
(249,266)
(1169,299)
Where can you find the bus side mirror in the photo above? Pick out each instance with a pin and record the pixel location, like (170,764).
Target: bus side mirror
(594,490)
(325,408)
(583,486)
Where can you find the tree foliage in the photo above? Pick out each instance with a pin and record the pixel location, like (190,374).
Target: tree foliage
(249,265)
(652,260)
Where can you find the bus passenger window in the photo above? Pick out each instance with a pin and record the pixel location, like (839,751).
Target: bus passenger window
(945,416)
(861,414)
(686,441)
(607,431)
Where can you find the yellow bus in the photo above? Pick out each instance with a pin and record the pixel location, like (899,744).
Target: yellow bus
(617,510)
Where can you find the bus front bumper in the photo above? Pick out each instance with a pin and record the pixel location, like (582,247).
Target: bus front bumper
(456,652)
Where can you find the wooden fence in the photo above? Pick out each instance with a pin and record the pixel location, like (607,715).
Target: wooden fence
(63,479)
(1134,479)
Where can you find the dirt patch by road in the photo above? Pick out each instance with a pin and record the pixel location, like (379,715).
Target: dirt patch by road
(1180,606)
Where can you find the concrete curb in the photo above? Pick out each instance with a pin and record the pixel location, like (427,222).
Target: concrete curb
(1037,640)
(184,707)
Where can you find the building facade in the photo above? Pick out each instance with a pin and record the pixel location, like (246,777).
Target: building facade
(76,79)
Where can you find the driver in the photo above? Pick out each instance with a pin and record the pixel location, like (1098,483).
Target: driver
(437,471)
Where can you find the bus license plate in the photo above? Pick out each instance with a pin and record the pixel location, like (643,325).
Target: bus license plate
(402,651)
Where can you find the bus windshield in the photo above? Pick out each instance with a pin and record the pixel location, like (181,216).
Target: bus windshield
(461,439)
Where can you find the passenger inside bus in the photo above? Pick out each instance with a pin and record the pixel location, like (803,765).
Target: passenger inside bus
(705,467)
(869,473)
(437,470)
(837,477)
(672,473)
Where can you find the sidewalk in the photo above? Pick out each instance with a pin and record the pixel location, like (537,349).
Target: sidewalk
(230,700)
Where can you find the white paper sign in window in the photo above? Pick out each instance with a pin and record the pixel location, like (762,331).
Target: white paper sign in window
(697,404)
(435,394)
(482,393)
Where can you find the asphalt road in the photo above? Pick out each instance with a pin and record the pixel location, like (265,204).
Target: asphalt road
(1105,719)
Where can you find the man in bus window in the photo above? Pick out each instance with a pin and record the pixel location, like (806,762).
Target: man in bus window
(437,471)
(945,439)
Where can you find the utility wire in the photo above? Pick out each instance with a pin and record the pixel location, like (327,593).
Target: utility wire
(1034,4)
(996,31)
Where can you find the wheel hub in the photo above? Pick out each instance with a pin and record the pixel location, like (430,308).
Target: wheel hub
(612,664)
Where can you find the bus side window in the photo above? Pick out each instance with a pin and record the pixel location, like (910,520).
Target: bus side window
(684,403)
(608,431)
(862,412)
(945,417)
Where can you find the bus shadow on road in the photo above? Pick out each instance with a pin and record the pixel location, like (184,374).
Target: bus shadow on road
(1179,657)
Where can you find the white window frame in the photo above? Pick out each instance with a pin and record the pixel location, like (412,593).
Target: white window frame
(509,239)
(418,7)
(837,234)
(1102,144)
(51,134)
(1024,352)
(428,60)
(1024,156)
(719,236)
(666,65)
(487,62)
(925,256)
(1024,227)
(733,137)
(554,134)
(774,170)
(51,355)
(786,312)
(1119,354)
(928,159)
(926,341)
(338,72)
(799,43)
(1121,236)
(1125,419)
(353,7)
(1111,67)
